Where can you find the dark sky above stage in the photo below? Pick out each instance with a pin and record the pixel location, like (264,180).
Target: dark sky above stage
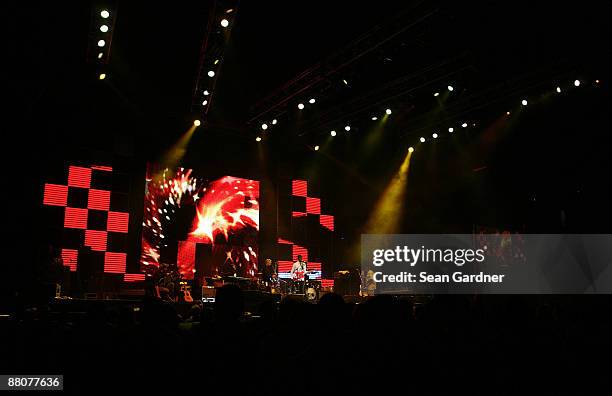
(56,108)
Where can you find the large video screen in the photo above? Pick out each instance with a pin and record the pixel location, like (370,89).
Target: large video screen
(198,223)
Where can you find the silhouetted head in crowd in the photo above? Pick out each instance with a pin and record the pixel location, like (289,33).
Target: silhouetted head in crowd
(229,303)
(331,308)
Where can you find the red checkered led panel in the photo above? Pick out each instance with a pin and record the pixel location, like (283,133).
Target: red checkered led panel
(79,177)
(93,239)
(98,199)
(114,262)
(299,188)
(117,222)
(55,195)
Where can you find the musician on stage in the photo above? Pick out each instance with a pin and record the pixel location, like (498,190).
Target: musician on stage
(298,272)
(269,271)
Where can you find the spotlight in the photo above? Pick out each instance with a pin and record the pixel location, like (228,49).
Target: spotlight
(577,83)
(274,121)
(101,43)
(211,73)
(596,81)
(311,101)
(524,102)
(464,125)
(333,133)
(224,22)
(197,123)
(100,55)
(301,106)
(347,128)
(316,148)
(450,88)
(258,139)
(558,89)
(437,94)
(204,103)
(104,14)
(374,118)
(206,93)
(388,111)
(435,136)
(216,61)
(104,28)
(422,140)
(410,149)
(345,82)
(102,76)
(229,11)
(451,130)
(507,113)
(264,126)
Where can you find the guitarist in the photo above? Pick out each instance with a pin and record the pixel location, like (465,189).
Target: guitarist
(298,272)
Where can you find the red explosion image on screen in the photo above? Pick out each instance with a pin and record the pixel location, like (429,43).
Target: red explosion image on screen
(184,213)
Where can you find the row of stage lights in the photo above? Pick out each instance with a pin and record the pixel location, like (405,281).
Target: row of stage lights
(224,22)
(435,135)
(102,26)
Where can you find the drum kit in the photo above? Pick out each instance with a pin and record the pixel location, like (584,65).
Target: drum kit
(299,285)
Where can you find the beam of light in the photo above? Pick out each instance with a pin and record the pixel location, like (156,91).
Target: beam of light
(197,123)
(388,211)
(175,154)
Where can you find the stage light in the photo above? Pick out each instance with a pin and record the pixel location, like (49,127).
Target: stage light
(347,128)
(301,106)
(102,76)
(345,82)
(464,125)
(206,93)
(100,55)
(274,121)
(104,28)
(333,133)
(229,11)
(197,123)
(101,43)
(104,14)
(388,111)
(450,88)
(596,81)
(216,61)
(316,148)
(558,89)
(422,140)
(451,129)
(435,136)
(258,139)
(524,102)
(312,101)
(437,94)
(410,149)
(211,73)
(204,103)
(374,118)
(507,113)
(224,22)
(577,83)
(264,126)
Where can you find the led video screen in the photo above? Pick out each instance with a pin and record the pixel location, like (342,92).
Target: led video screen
(199,223)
